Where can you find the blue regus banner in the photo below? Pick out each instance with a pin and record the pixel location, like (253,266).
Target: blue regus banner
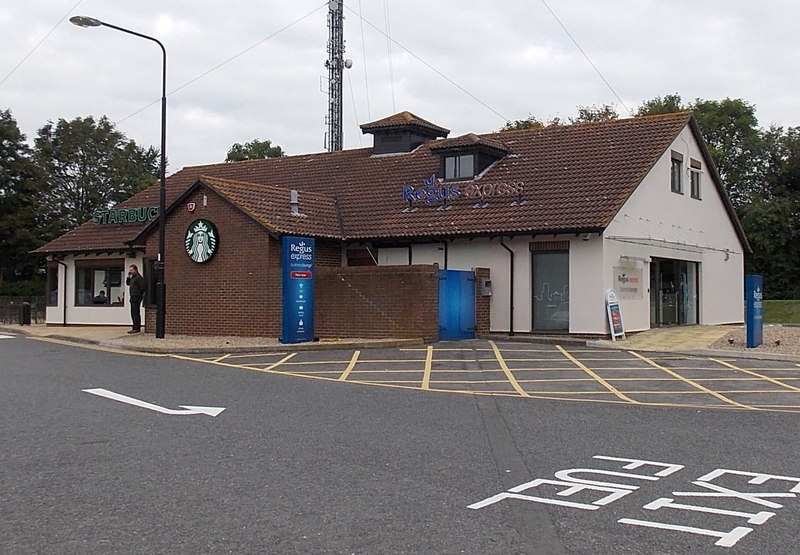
(298,290)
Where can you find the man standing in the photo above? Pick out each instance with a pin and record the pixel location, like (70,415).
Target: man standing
(136,287)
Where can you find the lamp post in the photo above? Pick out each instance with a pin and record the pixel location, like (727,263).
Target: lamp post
(83,21)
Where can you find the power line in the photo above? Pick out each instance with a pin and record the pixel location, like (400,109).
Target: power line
(389,49)
(429,66)
(227,61)
(38,44)
(578,46)
(364,61)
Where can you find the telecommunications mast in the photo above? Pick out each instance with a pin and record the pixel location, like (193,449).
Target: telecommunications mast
(336,65)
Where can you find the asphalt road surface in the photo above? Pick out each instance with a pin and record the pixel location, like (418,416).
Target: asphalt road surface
(100,455)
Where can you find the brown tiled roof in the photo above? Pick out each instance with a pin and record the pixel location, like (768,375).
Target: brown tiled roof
(468,140)
(270,206)
(574,179)
(403,119)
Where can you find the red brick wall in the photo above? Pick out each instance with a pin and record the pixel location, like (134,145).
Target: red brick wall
(377,301)
(238,291)
(482,314)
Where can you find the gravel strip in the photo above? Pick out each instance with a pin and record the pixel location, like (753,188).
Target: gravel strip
(776,339)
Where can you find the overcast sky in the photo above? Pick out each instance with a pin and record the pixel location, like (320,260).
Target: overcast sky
(255,69)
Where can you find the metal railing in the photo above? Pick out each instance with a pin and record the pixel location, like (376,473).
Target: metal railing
(18,310)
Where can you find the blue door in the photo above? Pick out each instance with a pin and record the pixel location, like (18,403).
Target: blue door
(456,304)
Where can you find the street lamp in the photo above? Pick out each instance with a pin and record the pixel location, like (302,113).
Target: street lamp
(83,21)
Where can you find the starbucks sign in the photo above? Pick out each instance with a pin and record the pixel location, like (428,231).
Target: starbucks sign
(201,241)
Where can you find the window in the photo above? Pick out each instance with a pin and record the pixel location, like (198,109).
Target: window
(695,175)
(150,279)
(459,167)
(52,284)
(676,176)
(99,282)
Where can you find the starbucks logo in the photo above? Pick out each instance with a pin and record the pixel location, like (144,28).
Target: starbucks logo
(201,240)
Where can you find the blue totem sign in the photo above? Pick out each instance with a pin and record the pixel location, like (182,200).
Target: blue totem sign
(298,290)
(754,295)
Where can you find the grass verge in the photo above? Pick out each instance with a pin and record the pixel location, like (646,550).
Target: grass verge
(782,312)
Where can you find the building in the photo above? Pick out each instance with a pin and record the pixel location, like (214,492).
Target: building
(551,219)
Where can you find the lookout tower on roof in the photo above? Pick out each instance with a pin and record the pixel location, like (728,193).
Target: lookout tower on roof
(401,132)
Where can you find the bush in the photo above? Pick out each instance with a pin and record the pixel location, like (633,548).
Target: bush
(30,288)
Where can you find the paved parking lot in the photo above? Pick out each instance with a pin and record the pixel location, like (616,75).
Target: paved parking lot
(568,373)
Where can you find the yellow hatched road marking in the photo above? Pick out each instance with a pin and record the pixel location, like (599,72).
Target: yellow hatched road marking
(350,366)
(281,361)
(599,379)
(223,357)
(426,376)
(690,382)
(509,375)
(757,375)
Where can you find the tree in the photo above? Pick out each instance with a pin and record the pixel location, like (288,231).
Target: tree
(20,231)
(731,132)
(771,219)
(586,114)
(254,150)
(90,166)
(594,114)
(670,104)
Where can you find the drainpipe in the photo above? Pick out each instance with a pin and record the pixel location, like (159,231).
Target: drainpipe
(511,285)
(445,254)
(64,323)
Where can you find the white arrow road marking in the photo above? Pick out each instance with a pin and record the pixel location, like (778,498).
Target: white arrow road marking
(7,336)
(187,409)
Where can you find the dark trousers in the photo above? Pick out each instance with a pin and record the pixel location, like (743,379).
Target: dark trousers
(136,315)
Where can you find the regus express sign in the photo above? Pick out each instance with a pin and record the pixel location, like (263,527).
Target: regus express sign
(125,215)
(435,191)
(298,289)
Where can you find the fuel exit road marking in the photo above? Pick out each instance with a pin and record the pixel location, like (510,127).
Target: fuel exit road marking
(185,409)
(594,488)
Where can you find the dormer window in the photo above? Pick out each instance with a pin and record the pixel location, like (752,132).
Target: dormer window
(467,156)
(459,167)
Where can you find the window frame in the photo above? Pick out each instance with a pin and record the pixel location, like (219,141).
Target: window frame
(676,173)
(695,179)
(52,284)
(459,171)
(110,266)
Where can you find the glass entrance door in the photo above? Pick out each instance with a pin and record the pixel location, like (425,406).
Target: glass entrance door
(673,292)
(551,291)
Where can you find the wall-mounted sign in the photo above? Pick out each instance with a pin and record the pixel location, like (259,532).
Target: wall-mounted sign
(298,290)
(628,282)
(201,241)
(614,315)
(125,215)
(435,191)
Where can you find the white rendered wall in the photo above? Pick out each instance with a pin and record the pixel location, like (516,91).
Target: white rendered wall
(587,308)
(88,315)
(393,256)
(489,253)
(703,226)
(429,253)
